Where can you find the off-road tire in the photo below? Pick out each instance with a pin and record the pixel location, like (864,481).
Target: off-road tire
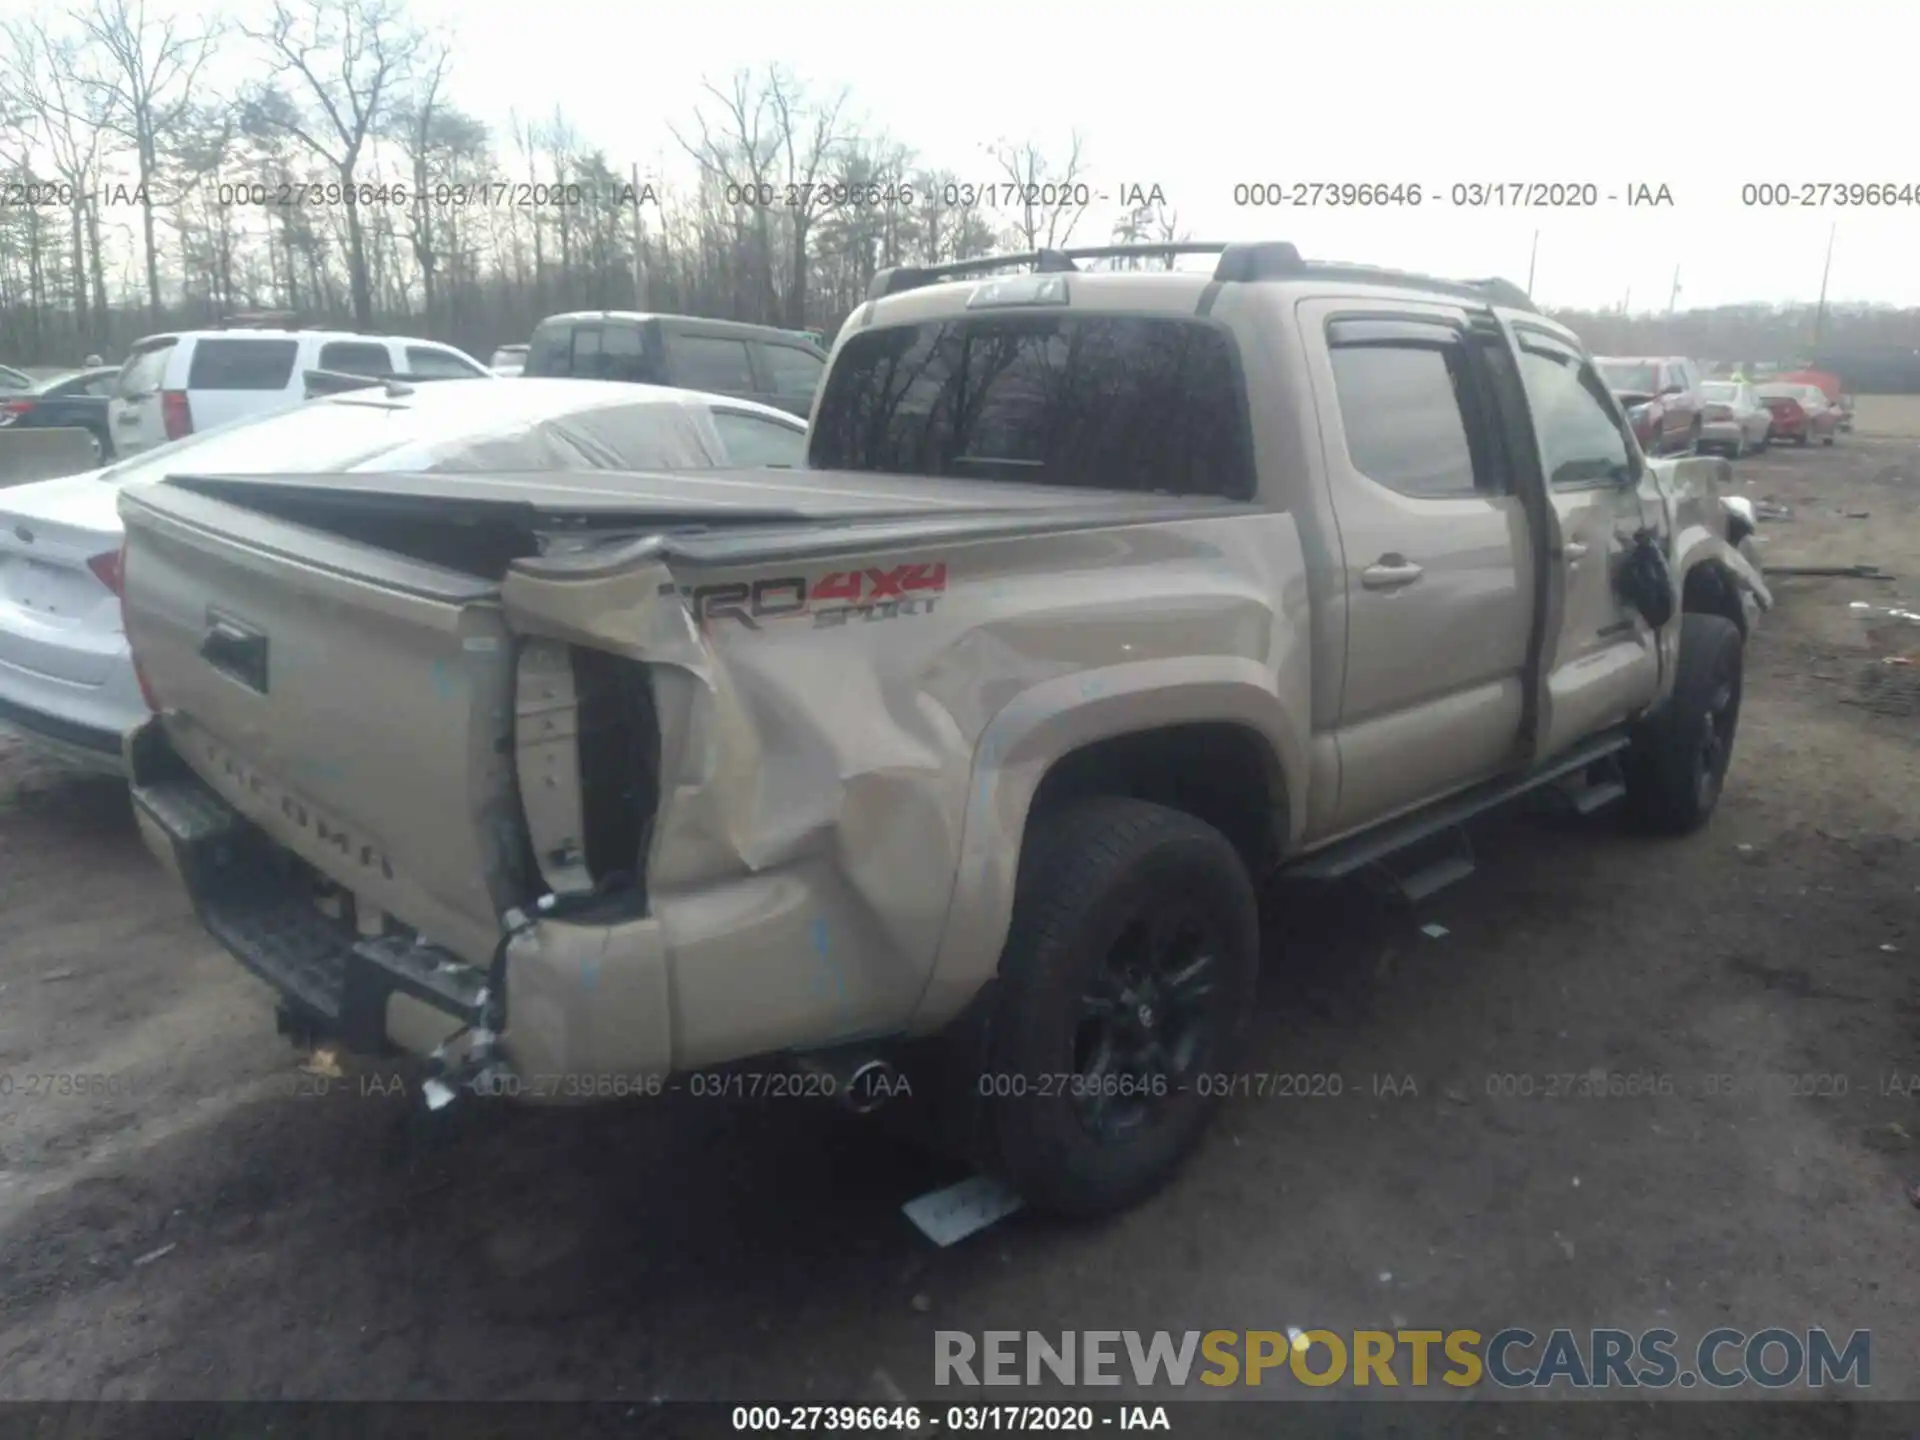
(1677,764)
(1089,871)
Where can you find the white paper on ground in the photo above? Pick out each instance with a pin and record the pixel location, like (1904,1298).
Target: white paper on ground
(945,1216)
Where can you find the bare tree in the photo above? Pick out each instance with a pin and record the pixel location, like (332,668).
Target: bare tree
(348,59)
(45,72)
(808,137)
(738,159)
(145,79)
(1050,198)
(419,121)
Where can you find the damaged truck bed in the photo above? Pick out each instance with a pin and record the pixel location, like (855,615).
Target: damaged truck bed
(982,729)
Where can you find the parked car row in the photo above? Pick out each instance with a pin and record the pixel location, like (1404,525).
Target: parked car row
(77,401)
(1674,411)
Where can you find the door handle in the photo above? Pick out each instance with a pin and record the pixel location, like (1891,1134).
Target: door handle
(1574,551)
(1390,572)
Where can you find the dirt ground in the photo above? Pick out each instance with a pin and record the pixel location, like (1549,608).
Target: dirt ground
(206,1226)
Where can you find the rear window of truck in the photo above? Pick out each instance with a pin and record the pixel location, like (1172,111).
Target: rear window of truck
(242,364)
(1098,402)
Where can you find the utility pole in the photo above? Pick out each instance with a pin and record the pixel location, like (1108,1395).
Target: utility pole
(1673,296)
(1535,255)
(1626,305)
(639,246)
(1820,313)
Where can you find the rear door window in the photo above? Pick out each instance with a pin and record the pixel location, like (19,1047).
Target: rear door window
(625,352)
(706,362)
(584,360)
(1101,402)
(792,373)
(1404,412)
(550,352)
(242,364)
(144,370)
(356,357)
(436,364)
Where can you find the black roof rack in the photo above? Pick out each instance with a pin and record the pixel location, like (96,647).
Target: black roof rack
(1239,262)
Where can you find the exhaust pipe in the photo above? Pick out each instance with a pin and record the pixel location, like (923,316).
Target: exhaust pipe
(859,1084)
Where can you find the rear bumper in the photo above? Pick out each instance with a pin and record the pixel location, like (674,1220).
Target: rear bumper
(567,1013)
(80,722)
(1722,432)
(85,746)
(333,981)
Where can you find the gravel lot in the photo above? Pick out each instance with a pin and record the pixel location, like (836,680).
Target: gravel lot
(209,1227)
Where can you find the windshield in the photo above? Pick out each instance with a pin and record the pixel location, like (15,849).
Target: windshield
(1110,403)
(1725,394)
(1623,377)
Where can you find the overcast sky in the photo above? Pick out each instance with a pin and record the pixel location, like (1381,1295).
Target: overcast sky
(1698,96)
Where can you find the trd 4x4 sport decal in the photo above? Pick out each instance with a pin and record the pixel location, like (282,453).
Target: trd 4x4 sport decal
(832,599)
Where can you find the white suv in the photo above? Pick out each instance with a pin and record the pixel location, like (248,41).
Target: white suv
(174,385)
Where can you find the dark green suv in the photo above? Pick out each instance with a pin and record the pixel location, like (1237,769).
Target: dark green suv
(721,357)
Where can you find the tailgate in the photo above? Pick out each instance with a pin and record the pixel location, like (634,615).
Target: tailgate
(354,704)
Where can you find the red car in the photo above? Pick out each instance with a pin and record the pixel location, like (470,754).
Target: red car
(1830,386)
(1801,413)
(1661,395)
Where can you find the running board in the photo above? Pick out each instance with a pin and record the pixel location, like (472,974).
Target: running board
(1433,878)
(1371,847)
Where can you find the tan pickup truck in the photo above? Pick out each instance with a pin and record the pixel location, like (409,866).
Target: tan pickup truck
(1106,594)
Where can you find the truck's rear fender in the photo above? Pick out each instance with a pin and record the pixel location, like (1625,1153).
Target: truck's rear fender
(825,773)
(797,861)
(1264,692)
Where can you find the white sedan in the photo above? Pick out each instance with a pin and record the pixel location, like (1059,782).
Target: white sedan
(66,681)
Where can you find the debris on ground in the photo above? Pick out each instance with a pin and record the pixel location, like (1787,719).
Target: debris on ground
(64,973)
(1845,572)
(324,1062)
(1435,932)
(153,1255)
(950,1215)
(1766,511)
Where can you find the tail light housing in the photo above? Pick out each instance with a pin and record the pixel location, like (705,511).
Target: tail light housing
(111,570)
(106,569)
(9,409)
(176,414)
